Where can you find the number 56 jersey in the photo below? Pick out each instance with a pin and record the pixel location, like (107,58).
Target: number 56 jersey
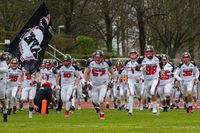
(99,72)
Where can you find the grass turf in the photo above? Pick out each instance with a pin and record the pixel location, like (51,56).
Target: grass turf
(87,121)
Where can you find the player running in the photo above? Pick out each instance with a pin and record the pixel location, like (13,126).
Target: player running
(98,71)
(187,75)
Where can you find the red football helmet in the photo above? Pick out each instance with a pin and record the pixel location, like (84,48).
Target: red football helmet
(186,57)
(98,56)
(149,51)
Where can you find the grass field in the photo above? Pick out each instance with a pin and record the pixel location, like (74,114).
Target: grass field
(87,121)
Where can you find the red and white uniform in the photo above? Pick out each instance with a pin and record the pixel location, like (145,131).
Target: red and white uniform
(165,85)
(99,79)
(29,89)
(12,83)
(68,76)
(186,74)
(151,69)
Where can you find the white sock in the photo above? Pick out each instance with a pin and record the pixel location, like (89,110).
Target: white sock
(130,103)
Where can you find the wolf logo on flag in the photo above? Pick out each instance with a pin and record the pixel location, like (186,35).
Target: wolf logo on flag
(31,40)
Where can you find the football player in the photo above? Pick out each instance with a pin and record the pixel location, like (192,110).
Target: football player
(98,72)
(68,77)
(187,75)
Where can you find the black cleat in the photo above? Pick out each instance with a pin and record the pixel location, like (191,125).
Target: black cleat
(165,109)
(5,117)
(107,106)
(9,111)
(97,109)
(72,108)
(130,113)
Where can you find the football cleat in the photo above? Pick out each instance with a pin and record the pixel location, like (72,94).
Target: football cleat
(9,111)
(67,113)
(190,109)
(107,106)
(130,113)
(5,117)
(97,109)
(102,116)
(154,110)
(14,109)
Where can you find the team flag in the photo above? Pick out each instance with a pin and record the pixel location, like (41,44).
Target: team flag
(31,42)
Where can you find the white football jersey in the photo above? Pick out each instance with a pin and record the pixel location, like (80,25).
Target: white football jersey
(51,76)
(168,72)
(68,75)
(99,72)
(150,67)
(116,75)
(43,76)
(131,71)
(3,70)
(28,77)
(13,76)
(187,72)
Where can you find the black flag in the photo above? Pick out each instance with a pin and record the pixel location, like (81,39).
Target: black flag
(31,42)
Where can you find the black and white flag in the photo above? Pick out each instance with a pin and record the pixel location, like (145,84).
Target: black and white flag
(31,42)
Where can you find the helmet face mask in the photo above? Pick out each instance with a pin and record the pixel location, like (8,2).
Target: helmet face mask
(133,54)
(164,59)
(14,63)
(48,65)
(67,60)
(149,52)
(98,56)
(186,58)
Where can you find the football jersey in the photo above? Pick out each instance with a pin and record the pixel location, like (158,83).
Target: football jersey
(51,75)
(151,67)
(131,70)
(116,75)
(13,75)
(28,77)
(168,73)
(187,72)
(99,72)
(67,75)
(3,70)
(42,72)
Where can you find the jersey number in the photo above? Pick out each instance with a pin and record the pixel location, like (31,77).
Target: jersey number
(13,78)
(166,75)
(95,72)
(187,73)
(150,70)
(67,75)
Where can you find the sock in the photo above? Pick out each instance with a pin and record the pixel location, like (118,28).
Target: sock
(130,103)
(68,104)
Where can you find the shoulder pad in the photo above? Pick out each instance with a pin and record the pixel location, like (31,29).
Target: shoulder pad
(59,66)
(76,67)
(179,65)
(193,63)
(88,63)
(140,59)
(126,62)
(109,62)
